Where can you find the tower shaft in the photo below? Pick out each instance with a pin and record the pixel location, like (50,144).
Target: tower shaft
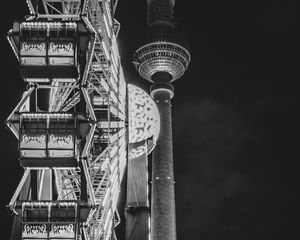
(161,59)
(163,220)
(160,12)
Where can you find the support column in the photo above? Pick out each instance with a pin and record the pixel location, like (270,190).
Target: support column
(137,206)
(163,220)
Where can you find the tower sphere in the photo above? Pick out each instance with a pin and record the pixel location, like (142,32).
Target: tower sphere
(164,50)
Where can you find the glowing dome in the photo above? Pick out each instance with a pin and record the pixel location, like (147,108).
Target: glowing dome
(143,115)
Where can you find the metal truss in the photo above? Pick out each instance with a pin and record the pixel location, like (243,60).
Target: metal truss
(103,88)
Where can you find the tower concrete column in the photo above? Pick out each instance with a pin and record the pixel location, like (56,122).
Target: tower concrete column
(163,217)
(161,59)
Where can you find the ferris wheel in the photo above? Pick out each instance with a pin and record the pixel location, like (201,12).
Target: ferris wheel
(78,123)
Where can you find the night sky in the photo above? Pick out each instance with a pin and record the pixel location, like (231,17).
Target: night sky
(234,115)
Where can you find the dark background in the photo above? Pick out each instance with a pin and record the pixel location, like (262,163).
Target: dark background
(234,115)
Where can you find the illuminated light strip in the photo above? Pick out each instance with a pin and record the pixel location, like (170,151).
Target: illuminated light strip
(90,57)
(113,110)
(84,10)
(106,197)
(113,97)
(47,115)
(99,160)
(108,12)
(71,102)
(149,227)
(13,46)
(114,78)
(113,163)
(50,25)
(120,114)
(89,105)
(89,25)
(115,181)
(117,135)
(122,93)
(104,164)
(104,181)
(64,80)
(117,108)
(59,16)
(14,130)
(115,198)
(122,83)
(99,66)
(104,153)
(108,235)
(112,124)
(59,183)
(104,84)
(102,68)
(31,8)
(115,54)
(115,50)
(41,180)
(32,61)
(63,91)
(88,142)
(114,169)
(122,108)
(114,189)
(114,63)
(123,100)
(68,191)
(89,183)
(108,219)
(92,212)
(102,96)
(85,234)
(105,49)
(107,159)
(19,188)
(26,94)
(98,101)
(108,30)
(37,80)
(113,151)
(53,92)
(122,79)
(122,140)
(115,186)
(171,44)
(122,166)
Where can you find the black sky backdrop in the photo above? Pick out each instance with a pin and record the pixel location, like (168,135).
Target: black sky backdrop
(233,115)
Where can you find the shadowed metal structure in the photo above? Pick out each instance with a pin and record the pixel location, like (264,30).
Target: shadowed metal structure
(162,58)
(71,123)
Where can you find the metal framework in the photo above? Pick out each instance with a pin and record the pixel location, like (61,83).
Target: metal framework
(102,90)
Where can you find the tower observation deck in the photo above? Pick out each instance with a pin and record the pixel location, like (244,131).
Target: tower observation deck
(161,59)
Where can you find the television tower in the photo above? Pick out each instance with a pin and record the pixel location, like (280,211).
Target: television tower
(162,58)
